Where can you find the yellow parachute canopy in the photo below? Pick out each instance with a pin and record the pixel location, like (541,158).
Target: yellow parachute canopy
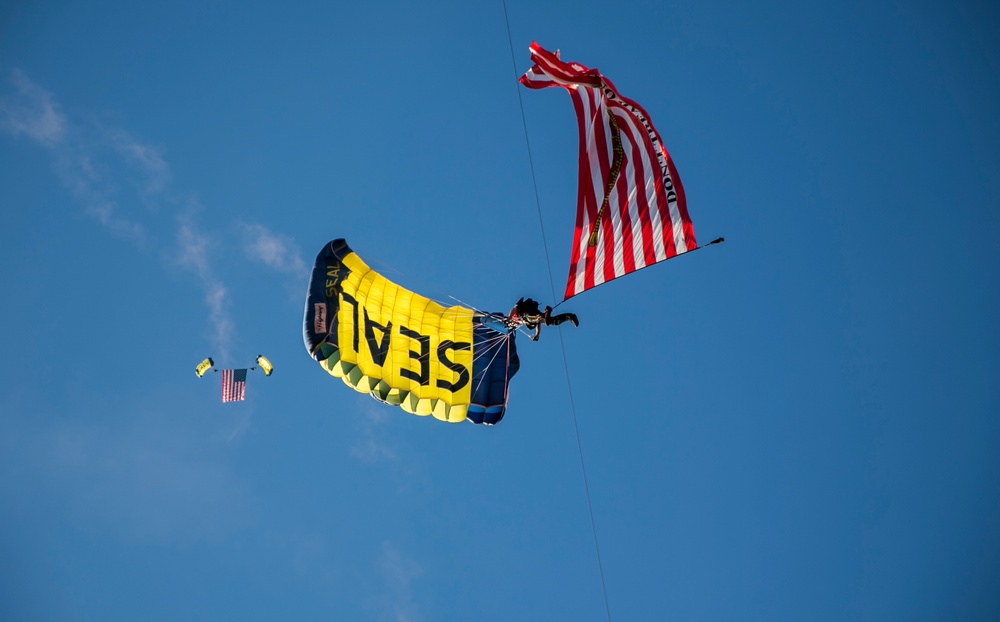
(265,364)
(404,349)
(203,367)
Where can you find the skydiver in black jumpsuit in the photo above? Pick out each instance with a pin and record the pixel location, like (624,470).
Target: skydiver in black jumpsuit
(526,312)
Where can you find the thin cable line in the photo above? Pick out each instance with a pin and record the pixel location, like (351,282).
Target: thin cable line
(531,162)
(562,345)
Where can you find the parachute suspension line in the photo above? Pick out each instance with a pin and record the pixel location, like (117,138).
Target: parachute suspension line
(562,345)
(483,377)
(489,346)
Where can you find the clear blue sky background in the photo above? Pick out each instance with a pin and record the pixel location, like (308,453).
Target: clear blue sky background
(800,424)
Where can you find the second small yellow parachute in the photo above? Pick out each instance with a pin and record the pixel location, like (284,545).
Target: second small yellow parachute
(265,364)
(203,367)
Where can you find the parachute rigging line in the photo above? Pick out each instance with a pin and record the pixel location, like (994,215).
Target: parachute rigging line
(552,289)
(493,358)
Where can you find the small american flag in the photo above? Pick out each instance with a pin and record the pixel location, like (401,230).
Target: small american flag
(631,210)
(234,385)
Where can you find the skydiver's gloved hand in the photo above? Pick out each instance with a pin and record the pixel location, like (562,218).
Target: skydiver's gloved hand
(538,331)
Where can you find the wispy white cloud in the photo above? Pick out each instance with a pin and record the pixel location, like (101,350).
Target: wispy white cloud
(107,213)
(146,158)
(144,477)
(274,250)
(399,572)
(111,172)
(81,157)
(32,112)
(370,447)
(193,254)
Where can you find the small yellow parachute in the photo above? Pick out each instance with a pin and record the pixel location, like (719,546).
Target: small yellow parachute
(265,364)
(203,367)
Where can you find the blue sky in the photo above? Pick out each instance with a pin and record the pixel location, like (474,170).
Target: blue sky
(801,423)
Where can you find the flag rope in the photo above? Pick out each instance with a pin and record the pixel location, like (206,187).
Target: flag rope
(562,345)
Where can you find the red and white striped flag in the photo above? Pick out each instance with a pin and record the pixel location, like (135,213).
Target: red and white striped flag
(234,385)
(631,211)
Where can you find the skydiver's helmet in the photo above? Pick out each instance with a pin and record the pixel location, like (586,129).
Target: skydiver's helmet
(526,311)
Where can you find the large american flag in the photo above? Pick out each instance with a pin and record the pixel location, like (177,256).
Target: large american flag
(631,210)
(234,385)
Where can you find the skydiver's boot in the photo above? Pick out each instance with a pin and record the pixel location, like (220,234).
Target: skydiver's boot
(551,320)
(559,319)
